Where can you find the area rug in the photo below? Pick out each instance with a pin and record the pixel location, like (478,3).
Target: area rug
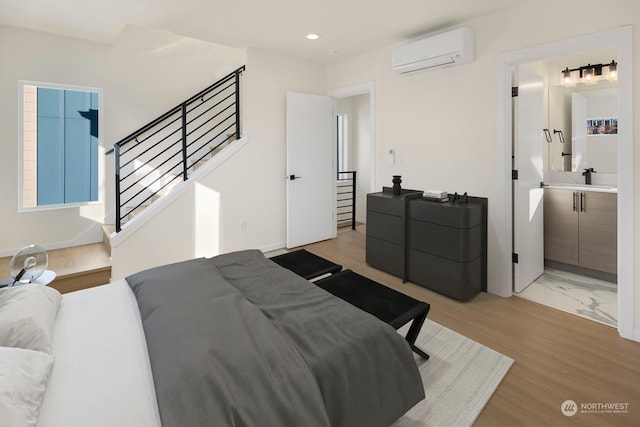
(459,378)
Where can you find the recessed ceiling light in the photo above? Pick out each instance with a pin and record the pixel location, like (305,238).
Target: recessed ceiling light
(332,52)
(313,36)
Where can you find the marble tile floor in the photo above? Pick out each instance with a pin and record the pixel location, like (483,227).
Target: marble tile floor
(580,295)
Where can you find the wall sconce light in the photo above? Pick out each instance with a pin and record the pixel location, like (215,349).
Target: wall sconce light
(590,74)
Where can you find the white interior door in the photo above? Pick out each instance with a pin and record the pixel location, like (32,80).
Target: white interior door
(528,227)
(311,173)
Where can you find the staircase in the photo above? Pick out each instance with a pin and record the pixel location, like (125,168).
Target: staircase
(156,158)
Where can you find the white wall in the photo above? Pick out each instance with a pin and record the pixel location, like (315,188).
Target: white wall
(143,75)
(177,234)
(443,124)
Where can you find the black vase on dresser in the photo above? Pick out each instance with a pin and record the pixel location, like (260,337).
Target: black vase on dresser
(397,180)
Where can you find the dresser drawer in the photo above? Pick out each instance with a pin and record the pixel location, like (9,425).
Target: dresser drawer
(456,244)
(459,280)
(385,256)
(456,215)
(385,227)
(385,203)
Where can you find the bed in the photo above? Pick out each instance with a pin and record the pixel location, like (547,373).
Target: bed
(230,340)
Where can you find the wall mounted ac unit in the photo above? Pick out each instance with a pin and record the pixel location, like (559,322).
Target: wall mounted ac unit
(438,51)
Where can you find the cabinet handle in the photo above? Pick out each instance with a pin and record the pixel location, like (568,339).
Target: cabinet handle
(583,205)
(575,201)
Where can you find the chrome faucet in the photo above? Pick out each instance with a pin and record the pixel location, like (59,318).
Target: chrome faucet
(587,175)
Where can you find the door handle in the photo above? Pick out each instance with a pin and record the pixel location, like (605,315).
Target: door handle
(293,177)
(575,201)
(583,205)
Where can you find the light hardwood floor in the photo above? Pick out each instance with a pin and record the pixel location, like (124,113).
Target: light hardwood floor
(558,356)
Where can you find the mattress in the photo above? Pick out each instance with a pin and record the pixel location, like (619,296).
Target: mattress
(101,363)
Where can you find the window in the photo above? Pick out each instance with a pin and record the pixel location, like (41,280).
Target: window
(59,145)
(343,143)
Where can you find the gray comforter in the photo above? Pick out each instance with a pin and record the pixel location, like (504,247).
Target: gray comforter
(237,340)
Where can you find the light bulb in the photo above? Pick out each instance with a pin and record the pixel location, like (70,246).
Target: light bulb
(567,81)
(588,76)
(613,72)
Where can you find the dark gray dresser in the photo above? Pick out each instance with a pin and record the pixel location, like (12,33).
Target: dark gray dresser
(441,246)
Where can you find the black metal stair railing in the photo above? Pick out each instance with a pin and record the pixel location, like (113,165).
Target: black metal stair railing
(164,152)
(346,199)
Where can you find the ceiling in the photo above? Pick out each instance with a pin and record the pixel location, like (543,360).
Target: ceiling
(350,27)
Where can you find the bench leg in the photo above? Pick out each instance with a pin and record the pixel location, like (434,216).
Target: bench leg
(412,335)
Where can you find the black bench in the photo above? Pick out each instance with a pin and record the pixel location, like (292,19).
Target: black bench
(388,305)
(305,264)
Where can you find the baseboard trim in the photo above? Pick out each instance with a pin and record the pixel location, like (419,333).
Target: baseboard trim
(601,275)
(273,247)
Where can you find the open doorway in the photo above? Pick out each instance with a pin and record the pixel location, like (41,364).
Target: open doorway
(579,272)
(355,148)
(619,39)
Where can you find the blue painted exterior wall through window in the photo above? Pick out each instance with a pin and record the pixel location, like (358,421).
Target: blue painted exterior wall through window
(67,169)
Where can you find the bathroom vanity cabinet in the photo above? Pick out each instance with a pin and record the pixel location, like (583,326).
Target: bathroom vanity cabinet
(580,228)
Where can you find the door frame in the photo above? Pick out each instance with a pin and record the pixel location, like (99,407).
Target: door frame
(362,89)
(620,39)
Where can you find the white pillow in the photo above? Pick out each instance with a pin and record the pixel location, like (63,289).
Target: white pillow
(27,316)
(23,381)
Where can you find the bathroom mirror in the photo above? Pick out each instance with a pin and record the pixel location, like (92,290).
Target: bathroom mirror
(582,119)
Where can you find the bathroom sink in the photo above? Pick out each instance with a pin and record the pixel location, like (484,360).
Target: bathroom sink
(609,188)
(606,187)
